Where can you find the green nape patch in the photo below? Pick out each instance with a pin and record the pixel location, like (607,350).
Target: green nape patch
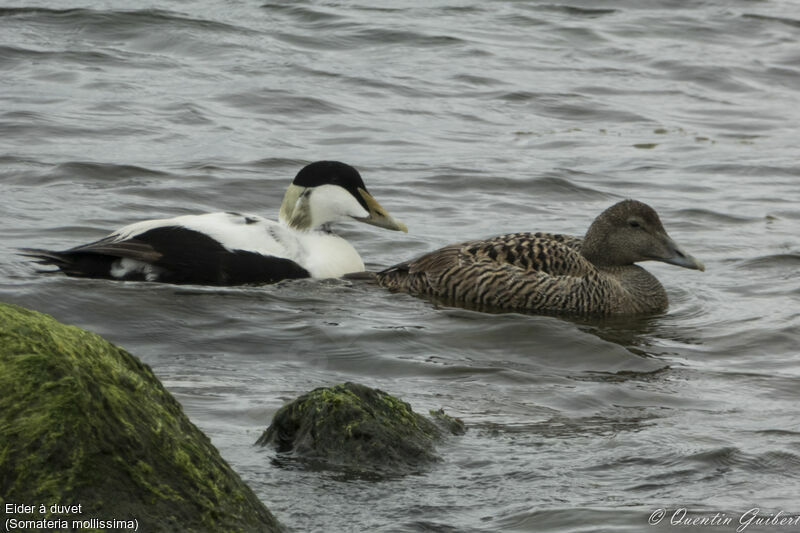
(358,428)
(84,423)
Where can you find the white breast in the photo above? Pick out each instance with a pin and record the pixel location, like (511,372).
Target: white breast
(327,255)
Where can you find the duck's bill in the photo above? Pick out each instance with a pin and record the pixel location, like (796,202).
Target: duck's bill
(378,215)
(679,257)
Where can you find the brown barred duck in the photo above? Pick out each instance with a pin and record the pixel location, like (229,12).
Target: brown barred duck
(235,249)
(550,273)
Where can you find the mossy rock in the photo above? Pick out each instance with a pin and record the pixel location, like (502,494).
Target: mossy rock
(84,422)
(358,428)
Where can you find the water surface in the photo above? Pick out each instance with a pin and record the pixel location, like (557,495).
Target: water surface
(466,119)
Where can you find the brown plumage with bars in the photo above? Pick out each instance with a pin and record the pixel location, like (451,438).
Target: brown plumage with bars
(551,273)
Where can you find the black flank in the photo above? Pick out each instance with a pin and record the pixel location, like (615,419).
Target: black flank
(188,256)
(182,255)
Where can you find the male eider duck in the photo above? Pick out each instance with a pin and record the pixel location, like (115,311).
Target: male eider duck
(549,273)
(235,249)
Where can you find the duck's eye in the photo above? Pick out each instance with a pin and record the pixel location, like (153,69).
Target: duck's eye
(634,223)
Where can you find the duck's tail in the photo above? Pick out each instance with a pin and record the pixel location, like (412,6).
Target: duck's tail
(366,276)
(71,263)
(46,257)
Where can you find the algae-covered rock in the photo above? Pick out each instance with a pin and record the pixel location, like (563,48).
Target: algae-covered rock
(357,427)
(84,423)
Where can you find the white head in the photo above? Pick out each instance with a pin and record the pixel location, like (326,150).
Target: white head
(330,191)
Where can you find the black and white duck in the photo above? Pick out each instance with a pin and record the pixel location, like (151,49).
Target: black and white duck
(233,248)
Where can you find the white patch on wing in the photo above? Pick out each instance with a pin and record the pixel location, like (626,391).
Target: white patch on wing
(122,268)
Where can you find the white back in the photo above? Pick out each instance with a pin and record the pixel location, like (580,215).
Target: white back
(251,233)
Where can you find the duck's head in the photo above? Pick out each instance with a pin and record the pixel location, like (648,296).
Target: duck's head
(629,232)
(330,191)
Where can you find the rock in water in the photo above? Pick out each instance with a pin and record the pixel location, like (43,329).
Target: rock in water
(355,427)
(84,422)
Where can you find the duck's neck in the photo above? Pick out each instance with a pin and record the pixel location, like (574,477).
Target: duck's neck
(643,293)
(295,211)
(596,247)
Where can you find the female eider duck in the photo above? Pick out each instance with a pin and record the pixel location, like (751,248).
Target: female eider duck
(235,249)
(549,273)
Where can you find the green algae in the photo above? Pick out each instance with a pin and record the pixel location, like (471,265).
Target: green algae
(358,428)
(84,422)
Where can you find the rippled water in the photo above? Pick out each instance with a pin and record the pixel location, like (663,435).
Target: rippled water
(466,119)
